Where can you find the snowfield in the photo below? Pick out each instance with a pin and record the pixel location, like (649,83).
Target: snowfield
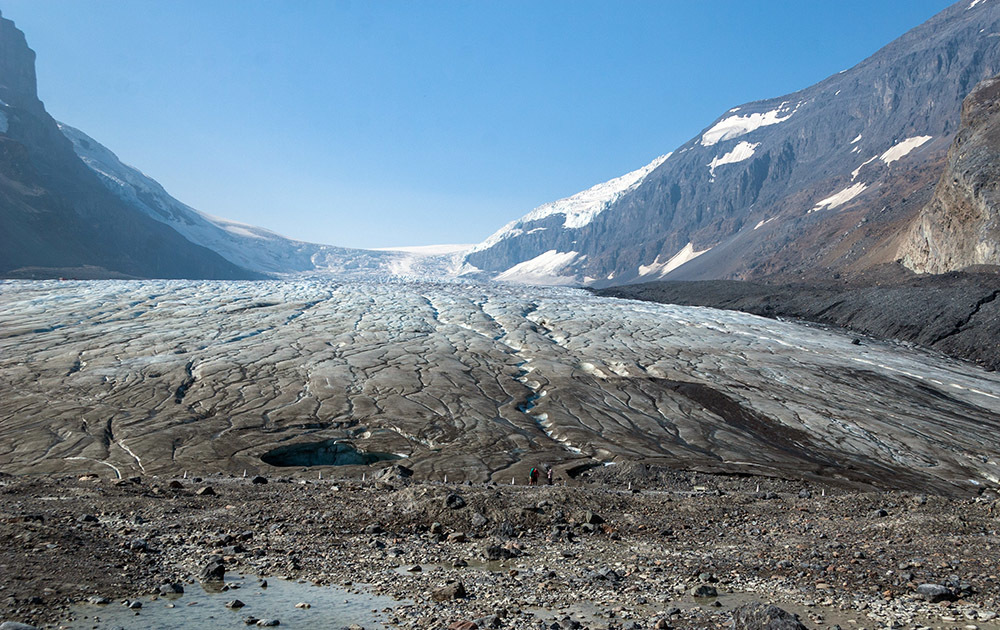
(577,210)
(736,126)
(467,380)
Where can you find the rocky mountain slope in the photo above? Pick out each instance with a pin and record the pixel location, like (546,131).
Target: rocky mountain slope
(245,245)
(57,218)
(960,227)
(820,180)
(70,207)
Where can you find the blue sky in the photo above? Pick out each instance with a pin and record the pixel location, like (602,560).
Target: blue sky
(381,123)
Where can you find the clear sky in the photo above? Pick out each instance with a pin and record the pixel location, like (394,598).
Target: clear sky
(388,123)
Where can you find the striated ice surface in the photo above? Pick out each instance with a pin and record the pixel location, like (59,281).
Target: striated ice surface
(468,380)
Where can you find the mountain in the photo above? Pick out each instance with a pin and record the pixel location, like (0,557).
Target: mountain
(250,247)
(823,180)
(960,227)
(57,218)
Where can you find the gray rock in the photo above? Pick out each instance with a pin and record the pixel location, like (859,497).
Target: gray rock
(214,570)
(174,588)
(935,592)
(454,502)
(448,592)
(496,552)
(396,471)
(268,623)
(207,491)
(235,604)
(489,621)
(704,590)
(760,616)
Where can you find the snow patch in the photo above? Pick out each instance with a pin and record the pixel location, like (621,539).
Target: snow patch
(857,171)
(686,254)
(763,223)
(903,148)
(735,126)
(742,151)
(856,140)
(543,269)
(840,198)
(579,209)
(974,3)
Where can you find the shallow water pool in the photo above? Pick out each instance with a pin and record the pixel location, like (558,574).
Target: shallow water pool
(331,608)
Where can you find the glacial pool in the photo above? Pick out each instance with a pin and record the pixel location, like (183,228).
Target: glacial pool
(330,608)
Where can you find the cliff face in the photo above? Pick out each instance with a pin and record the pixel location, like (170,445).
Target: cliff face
(822,180)
(960,227)
(56,218)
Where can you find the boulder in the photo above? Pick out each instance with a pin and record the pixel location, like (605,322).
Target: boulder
(448,592)
(760,616)
(935,592)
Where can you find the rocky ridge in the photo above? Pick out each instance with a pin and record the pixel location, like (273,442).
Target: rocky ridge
(818,181)
(960,227)
(58,220)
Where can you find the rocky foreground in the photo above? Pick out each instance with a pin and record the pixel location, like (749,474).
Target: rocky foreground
(627,547)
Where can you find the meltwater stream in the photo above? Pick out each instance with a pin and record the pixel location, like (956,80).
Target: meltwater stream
(330,608)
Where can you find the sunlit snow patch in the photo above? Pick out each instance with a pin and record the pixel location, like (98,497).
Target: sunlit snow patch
(857,171)
(840,198)
(579,209)
(903,148)
(542,269)
(736,126)
(974,3)
(742,151)
(763,223)
(686,254)
(858,139)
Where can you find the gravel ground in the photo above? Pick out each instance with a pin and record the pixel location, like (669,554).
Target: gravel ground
(624,548)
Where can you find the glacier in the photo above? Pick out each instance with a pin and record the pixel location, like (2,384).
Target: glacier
(467,380)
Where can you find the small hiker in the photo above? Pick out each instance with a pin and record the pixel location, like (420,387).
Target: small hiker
(548,474)
(533,477)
